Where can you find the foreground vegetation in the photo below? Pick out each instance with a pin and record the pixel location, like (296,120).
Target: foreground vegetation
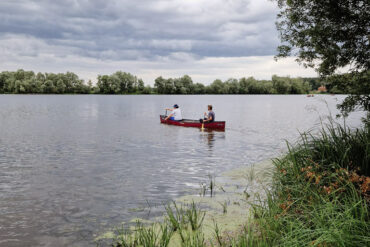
(25,82)
(320,197)
(321,193)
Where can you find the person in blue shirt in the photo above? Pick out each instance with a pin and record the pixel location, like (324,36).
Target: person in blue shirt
(208,117)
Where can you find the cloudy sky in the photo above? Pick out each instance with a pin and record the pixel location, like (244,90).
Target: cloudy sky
(206,39)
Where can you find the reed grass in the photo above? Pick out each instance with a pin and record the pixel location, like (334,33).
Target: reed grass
(320,195)
(224,206)
(156,235)
(339,144)
(176,216)
(203,189)
(195,239)
(195,216)
(217,234)
(186,220)
(212,184)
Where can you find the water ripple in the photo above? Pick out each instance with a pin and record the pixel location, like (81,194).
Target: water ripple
(71,166)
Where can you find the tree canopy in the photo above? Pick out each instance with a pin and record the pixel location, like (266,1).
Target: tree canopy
(119,83)
(28,82)
(21,81)
(277,85)
(326,34)
(329,35)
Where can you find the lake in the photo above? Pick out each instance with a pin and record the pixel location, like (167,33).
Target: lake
(74,166)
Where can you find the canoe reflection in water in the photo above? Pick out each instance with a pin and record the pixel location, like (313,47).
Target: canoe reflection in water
(210,136)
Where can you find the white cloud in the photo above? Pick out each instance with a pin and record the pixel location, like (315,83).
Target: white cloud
(48,58)
(205,28)
(202,38)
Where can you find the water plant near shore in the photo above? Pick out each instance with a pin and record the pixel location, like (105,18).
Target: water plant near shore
(156,235)
(203,189)
(195,216)
(175,217)
(184,220)
(212,184)
(224,206)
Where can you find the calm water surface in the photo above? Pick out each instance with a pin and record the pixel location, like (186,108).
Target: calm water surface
(74,166)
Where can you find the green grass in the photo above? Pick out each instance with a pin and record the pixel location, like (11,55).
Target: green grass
(184,220)
(212,184)
(156,235)
(224,206)
(176,216)
(195,217)
(339,145)
(318,196)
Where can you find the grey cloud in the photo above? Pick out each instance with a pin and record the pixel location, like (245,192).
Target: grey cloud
(134,30)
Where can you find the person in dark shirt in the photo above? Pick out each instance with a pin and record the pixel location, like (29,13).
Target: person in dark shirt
(210,116)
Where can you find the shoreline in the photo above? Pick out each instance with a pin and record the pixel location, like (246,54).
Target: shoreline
(315,197)
(235,191)
(228,208)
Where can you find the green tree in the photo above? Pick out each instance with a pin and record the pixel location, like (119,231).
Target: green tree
(89,87)
(243,86)
(4,76)
(40,77)
(314,83)
(159,85)
(103,84)
(199,88)
(60,86)
(187,84)
(232,86)
(141,86)
(116,84)
(178,86)
(121,82)
(169,86)
(267,87)
(147,90)
(298,86)
(251,85)
(281,84)
(48,87)
(334,31)
(328,35)
(352,84)
(217,87)
(17,86)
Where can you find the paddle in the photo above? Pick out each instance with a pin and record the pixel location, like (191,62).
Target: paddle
(202,128)
(165,115)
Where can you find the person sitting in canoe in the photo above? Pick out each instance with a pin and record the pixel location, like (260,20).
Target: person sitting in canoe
(175,114)
(208,117)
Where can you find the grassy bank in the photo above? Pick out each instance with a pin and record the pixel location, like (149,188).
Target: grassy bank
(319,196)
(321,192)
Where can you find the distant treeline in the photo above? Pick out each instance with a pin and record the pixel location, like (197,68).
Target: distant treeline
(28,82)
(278,85)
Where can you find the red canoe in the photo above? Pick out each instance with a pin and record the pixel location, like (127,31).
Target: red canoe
(220,125)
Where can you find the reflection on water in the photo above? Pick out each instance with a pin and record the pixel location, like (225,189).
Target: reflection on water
(210,136)
(74,166)
(210,139)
